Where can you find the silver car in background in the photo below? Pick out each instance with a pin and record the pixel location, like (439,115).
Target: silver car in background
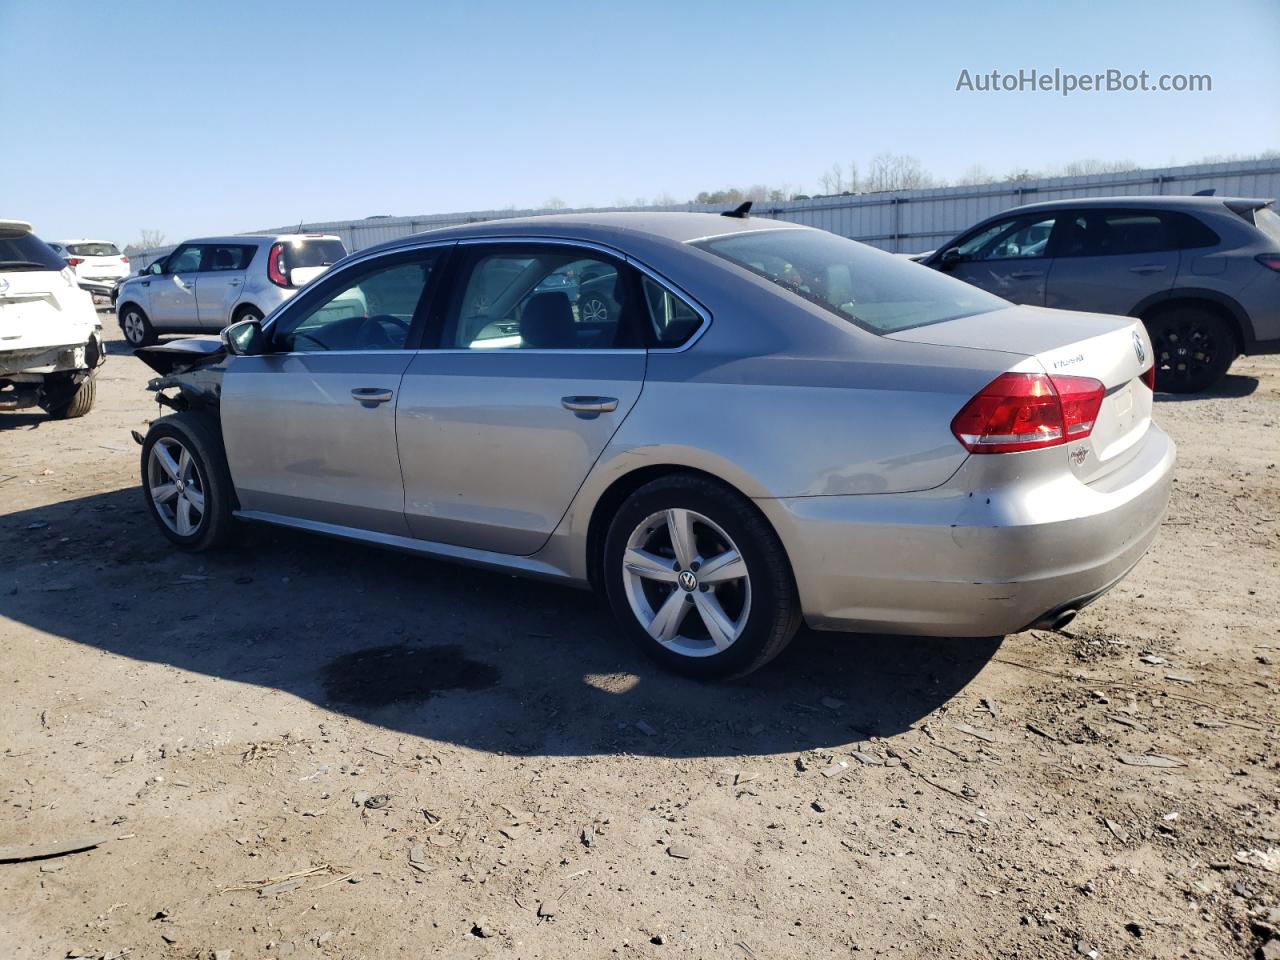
(203,285)
(745,425)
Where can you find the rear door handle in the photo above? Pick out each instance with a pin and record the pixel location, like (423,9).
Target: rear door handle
(371,396)
(235,282)
(590,404)
(1026,275)
(1148,268)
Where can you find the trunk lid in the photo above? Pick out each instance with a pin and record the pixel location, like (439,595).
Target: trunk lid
(1111,349)
(41,308)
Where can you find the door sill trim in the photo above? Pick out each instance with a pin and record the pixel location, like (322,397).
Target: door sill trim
(486,559)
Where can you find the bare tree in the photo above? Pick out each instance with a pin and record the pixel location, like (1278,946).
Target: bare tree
(554,203)
(897,171)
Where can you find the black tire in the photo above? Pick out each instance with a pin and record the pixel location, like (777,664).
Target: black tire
(1193,348)
(142,333)
(774,612)
(75,401)
(200,436)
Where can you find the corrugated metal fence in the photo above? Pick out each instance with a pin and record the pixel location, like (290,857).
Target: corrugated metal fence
(902,222)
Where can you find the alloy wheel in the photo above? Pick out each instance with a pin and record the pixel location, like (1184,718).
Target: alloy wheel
(134,329)
(1185,352)
(176,487)
(687,583)
(594,310)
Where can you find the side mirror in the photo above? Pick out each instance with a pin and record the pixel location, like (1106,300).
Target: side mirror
(156,268)
(950,257)
(243,338)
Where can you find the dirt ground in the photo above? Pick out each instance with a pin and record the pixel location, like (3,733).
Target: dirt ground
(435,761)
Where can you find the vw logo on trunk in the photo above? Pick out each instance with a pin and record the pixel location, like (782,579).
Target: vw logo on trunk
(4,285)
(1138,348)
(688,581)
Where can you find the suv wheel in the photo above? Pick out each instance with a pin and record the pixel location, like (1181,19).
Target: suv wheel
(70,400)
(136,327)
(186,483)
(1193,349)
(699,579)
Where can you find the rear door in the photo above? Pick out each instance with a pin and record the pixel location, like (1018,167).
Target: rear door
(1108,260)
(310,426)
(499,424)
(221,281)
(1009,257)
(172,294)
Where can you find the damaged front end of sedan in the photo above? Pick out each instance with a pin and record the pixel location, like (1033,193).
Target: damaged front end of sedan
(190,373)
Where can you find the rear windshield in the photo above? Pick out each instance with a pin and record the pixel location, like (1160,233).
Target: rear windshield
(309,252)
(26,251)
(93,250)
(1268,221)
(873,289)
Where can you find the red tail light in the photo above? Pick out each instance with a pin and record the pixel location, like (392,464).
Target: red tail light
(1028,411)
(1149,377)
(74,261)
(123,258)
(276,271)
(1271,260)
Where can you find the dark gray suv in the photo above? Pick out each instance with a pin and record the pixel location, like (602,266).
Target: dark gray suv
(1203,273)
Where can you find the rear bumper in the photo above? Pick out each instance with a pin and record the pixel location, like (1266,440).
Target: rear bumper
(103,288)
(972,560)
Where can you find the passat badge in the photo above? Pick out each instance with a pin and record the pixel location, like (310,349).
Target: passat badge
(1138,348)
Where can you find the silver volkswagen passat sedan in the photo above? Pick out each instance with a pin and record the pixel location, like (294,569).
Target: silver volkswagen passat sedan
(755,424)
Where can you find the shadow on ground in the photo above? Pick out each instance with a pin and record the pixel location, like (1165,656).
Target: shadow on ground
(479,659)
(1232,386)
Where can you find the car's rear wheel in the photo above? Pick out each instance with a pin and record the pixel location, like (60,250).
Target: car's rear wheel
(136,327)
(186,483)
(66,402)
(593,308)
(699,579)
(1193,348)
(247,313)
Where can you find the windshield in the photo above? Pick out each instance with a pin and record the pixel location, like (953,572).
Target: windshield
(309,252)
(26,251)
(873,289)
(1268,221)
(93,250)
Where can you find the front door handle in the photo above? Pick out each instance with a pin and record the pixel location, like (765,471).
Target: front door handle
(1025,275)
(590,404)
(235,282)
(371,396)
(1148,268)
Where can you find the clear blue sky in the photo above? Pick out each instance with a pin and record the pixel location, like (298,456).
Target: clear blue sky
(198,118)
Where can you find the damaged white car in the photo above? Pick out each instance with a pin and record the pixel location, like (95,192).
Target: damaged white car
(50,334)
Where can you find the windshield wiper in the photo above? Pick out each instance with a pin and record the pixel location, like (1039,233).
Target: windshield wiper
(26,263)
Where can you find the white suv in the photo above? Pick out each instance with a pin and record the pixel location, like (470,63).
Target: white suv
(204,285)
(50,334)
(99,266)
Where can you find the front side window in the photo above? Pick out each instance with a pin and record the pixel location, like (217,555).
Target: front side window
(1020,240)
(185,260)
(540,298)
(878,291)
(371,307)
(230,257)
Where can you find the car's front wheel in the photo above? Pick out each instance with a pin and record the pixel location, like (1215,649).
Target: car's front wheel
(136,327)
(186,483)
(699,579)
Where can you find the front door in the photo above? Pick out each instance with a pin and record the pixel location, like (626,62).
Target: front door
(1107,261)
(1009,258)
(539,360)
(172,294)
(310,426)
(221,282)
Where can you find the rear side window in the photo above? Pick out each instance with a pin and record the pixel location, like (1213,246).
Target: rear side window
(93,249)
(1114,233)
(312,252)
(674,321)
(230,256)
(26,251)
(875,290)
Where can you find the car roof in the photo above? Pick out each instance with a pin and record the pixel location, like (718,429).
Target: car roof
(15,226)
(604,228)
(1139,202)
(274,237)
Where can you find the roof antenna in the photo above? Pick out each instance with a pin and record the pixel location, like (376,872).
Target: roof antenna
(740,211)
(1205,193)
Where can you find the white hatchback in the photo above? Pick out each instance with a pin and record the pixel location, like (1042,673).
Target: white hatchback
(50,334)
